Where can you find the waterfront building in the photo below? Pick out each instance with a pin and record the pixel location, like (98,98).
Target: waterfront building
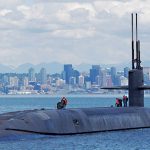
(123,81)
(60,82)
(13,81)
(49,80)
(5,80)
(25,82)
(146,71)
(88,85)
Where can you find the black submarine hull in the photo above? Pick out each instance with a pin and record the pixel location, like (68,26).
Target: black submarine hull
(75,121)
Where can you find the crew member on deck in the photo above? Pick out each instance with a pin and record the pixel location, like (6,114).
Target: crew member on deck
(125,101)
(118,102)
(62,104)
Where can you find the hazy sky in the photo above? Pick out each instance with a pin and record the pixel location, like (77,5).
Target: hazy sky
(71,31)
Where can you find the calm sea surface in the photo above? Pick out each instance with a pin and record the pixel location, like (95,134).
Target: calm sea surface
(119,140)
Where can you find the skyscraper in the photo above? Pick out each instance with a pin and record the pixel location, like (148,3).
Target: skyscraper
(113,74)
(126,71)
(76,74)
(31,74)
(72,81)
(81,80)
(68,72)
(43,76)
(113,71)
(94,72)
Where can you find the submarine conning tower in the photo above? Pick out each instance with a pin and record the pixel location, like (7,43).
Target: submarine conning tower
(136,95)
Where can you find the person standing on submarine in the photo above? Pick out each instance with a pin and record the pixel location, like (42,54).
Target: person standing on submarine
(125,101)
(62,104)
(117,102)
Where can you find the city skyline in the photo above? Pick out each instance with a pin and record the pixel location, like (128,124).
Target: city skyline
(71,31)
(68,81)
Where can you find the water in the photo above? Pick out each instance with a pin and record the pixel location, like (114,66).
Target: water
(126,140)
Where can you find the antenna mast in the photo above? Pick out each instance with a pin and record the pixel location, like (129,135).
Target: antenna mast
(132,43)
(137,60)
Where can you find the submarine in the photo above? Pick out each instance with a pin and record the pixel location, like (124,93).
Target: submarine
(87,120)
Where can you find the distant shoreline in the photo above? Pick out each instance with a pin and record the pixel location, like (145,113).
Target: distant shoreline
(66,95)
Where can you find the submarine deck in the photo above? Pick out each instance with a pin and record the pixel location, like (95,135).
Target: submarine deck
(74,121)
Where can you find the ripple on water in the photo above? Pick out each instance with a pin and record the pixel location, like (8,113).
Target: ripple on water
(126,140)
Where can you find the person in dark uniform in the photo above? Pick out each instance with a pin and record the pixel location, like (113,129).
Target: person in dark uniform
(120,102)
(125,101)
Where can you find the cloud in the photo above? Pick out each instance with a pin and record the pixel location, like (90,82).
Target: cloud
(64,1)
(5,12)
(69,31)
(76,33)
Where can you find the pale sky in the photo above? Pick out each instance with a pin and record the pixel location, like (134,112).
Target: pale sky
(71,31)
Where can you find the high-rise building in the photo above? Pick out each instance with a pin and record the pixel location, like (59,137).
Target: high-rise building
(43,76)
(68,72)
(104,78)
(108,81)
(126,72)
(31,74)
(76,74)
(99,80)
(113,74)
(63,75)
(72,81)
(117,80)
(81,80)
(94,72)
(113,71)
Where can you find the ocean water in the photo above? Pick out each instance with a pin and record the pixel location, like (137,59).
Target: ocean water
(116,140)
